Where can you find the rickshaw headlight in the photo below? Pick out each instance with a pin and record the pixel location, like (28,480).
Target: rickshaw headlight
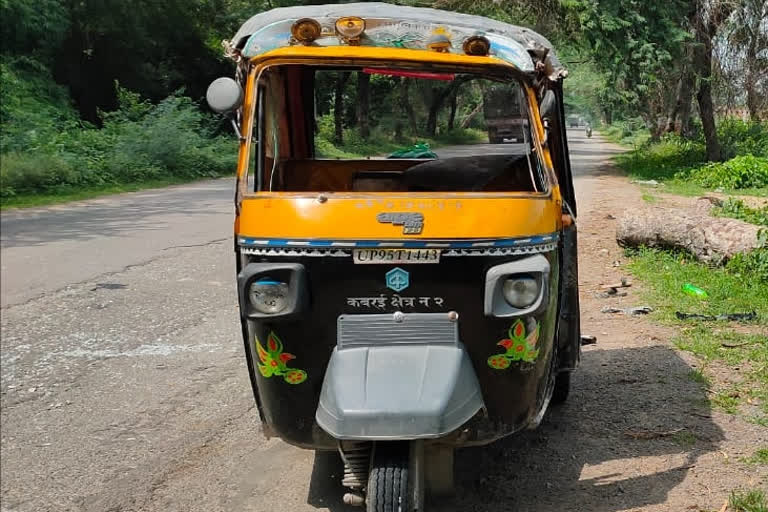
(521,291)
(268,297)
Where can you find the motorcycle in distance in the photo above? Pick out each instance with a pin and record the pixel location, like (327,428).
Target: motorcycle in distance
(589,131)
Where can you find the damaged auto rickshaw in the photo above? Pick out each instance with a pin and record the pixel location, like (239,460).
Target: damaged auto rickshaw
(395,309)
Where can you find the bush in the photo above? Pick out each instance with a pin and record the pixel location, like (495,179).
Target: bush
(739,138)
(139,142)
(740,172)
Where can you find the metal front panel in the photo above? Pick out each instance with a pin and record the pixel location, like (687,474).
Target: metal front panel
(397,329)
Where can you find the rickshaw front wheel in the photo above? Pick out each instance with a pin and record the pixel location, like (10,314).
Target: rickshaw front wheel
(388,480)
(562,387)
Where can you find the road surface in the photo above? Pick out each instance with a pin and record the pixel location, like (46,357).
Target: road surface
(123,383)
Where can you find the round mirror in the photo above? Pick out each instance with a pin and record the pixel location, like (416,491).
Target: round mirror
(224,95)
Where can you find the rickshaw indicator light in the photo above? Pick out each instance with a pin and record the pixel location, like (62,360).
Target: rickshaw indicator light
(477,46)
(268,297)
(306,30)
(439,41)
(350,29)
(521,291)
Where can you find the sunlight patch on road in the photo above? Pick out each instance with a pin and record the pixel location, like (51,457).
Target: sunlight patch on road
(618,470)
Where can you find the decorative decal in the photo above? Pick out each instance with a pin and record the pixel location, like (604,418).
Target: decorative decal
(398,279)
(519,347)
(274,361)
(412,223)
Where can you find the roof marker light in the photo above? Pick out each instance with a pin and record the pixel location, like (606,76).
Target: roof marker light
(350,28)
(306,30)
(477,46)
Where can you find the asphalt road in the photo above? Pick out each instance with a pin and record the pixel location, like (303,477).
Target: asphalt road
(123,384)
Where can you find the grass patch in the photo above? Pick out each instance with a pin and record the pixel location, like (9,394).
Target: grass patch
(681,164)
(760,457)
(736,209)
(667,272)
(698,376)
(648,198)
(684,438)
(745,353)
(748,501)
(631,132)
(29,201)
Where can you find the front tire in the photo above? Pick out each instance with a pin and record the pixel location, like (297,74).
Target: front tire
(388,481)
(562,387)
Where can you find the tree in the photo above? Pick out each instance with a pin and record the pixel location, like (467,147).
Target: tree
(708,16)
(637,45)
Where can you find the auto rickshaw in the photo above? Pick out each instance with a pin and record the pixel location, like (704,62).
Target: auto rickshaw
(395,309)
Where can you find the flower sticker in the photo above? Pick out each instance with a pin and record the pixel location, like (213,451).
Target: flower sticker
(518,347)
(273,361)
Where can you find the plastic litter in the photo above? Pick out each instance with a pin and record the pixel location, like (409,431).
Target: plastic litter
(640,310)
(731,317)
(694,291)
(420,150)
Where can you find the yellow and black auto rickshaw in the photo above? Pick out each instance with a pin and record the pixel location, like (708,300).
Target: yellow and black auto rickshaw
(397,305)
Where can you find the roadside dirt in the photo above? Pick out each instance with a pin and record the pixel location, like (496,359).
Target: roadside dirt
(591,454)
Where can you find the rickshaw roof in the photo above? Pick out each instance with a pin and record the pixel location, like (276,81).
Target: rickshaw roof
(388,25)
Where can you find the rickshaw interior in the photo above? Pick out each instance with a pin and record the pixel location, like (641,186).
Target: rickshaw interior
(294,119)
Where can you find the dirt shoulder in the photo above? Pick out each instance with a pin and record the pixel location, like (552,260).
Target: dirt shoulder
(637,433)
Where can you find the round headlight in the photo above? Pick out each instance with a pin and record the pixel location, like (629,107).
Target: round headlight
(521,291)
(268,297)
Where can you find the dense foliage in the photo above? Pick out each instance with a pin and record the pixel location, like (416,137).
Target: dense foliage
(65,123)
(138,142)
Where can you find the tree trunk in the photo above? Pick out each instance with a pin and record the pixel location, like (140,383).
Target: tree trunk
(709,239)
(685,108)
(364,104)
(467,120)
(706,107)
(750,80)
(682,107)
(702,61)
(452,116)
(338,107)
(405,102)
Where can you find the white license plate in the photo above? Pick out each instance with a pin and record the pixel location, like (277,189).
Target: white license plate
(384,256)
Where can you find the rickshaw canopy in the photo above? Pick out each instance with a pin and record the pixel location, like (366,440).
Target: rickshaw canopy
(386,25)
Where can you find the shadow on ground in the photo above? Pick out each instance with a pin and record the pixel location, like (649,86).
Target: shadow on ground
(581,457)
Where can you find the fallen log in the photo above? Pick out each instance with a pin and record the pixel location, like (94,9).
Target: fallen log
(709,239)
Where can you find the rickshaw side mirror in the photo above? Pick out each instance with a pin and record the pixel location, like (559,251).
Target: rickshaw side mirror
(548,105)
(547,109)
(224,95)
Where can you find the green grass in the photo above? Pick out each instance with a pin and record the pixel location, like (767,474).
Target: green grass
(745,353)
(736,209)
(667,272)
(648,198)
(33,200)
(681,164)
(760,457)
(748,501)
(699,377)
(631,133)
(684,438)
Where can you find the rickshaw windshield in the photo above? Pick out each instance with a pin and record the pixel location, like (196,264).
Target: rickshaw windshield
(362,129)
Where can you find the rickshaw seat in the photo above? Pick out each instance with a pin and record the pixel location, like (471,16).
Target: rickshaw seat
(474,173)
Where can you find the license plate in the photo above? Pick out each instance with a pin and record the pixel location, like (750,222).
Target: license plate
(384,256)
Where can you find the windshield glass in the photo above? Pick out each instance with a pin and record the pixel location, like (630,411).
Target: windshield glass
(382,129)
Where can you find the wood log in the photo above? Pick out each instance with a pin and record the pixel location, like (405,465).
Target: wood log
(709,239)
